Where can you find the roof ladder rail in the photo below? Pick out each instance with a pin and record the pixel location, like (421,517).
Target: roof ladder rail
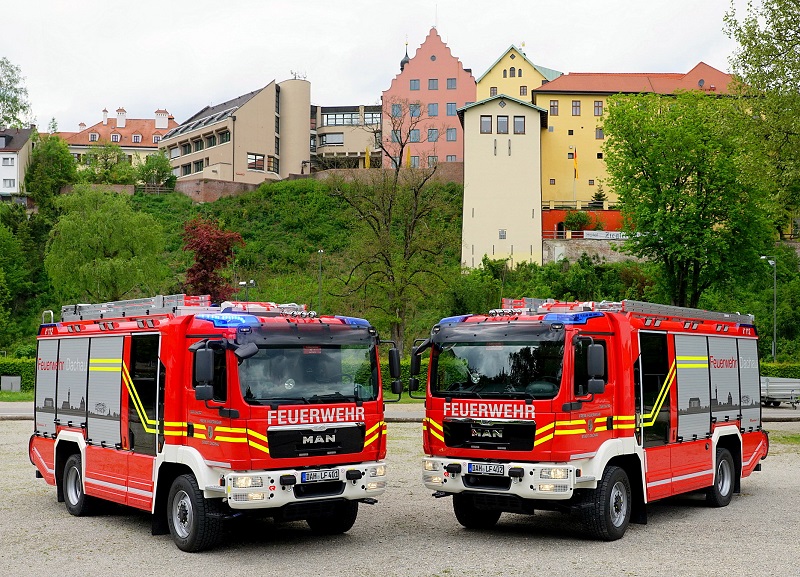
(158,304)
(683,313)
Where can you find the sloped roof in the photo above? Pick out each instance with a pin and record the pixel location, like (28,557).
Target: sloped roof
(145,127)
(463,109)
(211,114)
(15,138)
(548,73)
(701,77)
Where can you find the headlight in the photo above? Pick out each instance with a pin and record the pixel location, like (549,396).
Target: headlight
(374,485)
(255,496)
(555,473)
(549,488)
(247,482)
(433,479)
(430,465)
(378,471)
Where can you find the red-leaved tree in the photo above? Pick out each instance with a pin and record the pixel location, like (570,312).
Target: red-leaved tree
(213,250)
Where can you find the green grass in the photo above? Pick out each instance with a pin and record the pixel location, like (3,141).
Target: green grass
(8,396)
(785,438)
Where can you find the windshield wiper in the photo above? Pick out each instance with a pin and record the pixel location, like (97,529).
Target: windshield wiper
(275,401)
(337,396)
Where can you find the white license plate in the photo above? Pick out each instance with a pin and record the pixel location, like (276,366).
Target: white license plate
(485,469)
(324,475)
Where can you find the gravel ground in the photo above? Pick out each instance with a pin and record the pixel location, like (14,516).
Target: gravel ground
(408,532)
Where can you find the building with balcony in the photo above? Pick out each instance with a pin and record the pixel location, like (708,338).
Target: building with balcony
(346,137)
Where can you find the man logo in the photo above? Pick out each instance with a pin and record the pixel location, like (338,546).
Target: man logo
(487,433)
(317,439)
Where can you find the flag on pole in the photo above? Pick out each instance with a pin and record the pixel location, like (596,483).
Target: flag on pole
(408,158)
(366,159)
(575,162)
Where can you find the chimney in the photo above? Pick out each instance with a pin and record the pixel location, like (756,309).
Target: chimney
(81,127)
(105,117)
(162,119)
(120,117)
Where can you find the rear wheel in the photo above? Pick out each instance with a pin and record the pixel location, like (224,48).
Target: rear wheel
(609,511)
(721,492)
(78,503)
(192,518)
(340,520)
(471,516)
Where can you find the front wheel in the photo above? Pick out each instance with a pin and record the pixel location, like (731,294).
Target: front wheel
(192,522)
(609,511)
(78,503)
(338,521)
(471,516)
(721,492)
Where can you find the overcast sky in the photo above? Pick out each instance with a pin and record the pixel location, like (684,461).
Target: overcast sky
(82,56)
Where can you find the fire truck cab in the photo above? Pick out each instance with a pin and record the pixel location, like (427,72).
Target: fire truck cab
(594,408)
(199,413)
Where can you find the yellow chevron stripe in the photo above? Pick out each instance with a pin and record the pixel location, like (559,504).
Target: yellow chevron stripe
(650,419)
(538,442)
(546,428)
(258,446)
(371,440)
(435,424)
(437,435)
(258,436)
(148,424)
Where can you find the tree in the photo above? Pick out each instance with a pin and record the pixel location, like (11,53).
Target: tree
(102,250)
(52,167)
(14,105)
(107,163)
(213,250)
(155,170)
(767,64)
(672,160)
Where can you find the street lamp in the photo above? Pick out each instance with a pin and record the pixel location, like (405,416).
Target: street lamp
(319,301)
(773,263)
(246,285)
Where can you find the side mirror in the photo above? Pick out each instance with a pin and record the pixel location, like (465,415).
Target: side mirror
(413,384)
(394,365)
(204,392)
(596,386)
(416,363)
(595,361)
(397,387)
(246,351)
(204,366)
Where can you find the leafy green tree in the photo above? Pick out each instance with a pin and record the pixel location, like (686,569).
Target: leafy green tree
(102,250)
(52,167)
(155,170)
(767,63)
(672,160)
(107,163)
(14,105)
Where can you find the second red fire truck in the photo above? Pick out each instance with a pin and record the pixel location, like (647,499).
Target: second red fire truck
(594,408)
(198,413)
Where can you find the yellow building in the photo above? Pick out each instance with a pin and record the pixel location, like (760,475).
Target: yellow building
(514,75)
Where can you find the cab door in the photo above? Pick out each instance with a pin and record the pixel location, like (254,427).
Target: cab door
(208,428)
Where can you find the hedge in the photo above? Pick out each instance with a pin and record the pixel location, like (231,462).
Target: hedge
(781,370)
(25,368)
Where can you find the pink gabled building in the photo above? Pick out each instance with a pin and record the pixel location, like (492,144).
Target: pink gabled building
(426,94)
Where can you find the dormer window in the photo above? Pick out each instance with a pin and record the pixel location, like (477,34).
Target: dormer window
(137,138)
(93,137)
(115,138)
(156,139)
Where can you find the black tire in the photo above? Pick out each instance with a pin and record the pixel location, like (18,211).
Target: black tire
(77,501)
(471,516)
(776,403)
(609,511)
(193,520)
(339,521)
(721,492)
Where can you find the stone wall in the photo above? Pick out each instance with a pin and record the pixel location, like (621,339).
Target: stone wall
(205,190)
(554,250)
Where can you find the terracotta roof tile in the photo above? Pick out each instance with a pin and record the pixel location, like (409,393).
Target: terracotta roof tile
(142,126)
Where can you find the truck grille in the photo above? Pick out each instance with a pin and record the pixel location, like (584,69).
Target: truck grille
(290,443)
(497,435)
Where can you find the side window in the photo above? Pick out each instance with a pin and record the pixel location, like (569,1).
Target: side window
(652,372)
(144,372)
(220,382)
(581,374)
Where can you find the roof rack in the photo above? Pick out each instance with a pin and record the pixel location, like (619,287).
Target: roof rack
(160,304)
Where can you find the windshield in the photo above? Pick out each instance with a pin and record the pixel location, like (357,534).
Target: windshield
(309,374)
(516,370)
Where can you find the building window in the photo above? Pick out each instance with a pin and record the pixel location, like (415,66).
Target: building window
(493,91)
(502,125)
(396,111)
(156,139)
(198,166)
(433,84)
(451,83)
(414,161)
(576,108)
(255,161)
(502,234)
(554,108)
(186,169)
(433,135)
(519,125)
(486,124)
(512,72)
(395,161)
(93,137)
(333,139)
(277,125)
(137,138)
(414,110)
(600,156)
(570,155)
(186,148)
(413,135)
(570,132)
(224,137)
(414,84)
(433,161)
(433,109)
(591,182)
(341,119)
(8,161)
(451,158)
(174,152)
(176,171)
(273,164)
(371,118)
(523,90)
(519,73)
(505,73)
(598,108)
(598,134)
(115,138)
(552,181)
(395,136)
(451,109)
(211,140)
(451,135)
(198,145)
(9,182)
(277,146)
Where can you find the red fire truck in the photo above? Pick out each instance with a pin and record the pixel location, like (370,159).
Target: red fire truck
(200,413)
(594,408)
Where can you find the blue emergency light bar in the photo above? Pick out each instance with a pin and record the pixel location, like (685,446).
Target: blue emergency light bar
(572,318)
(224,320)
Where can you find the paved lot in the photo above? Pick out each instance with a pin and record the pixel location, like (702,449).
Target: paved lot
(408,533)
